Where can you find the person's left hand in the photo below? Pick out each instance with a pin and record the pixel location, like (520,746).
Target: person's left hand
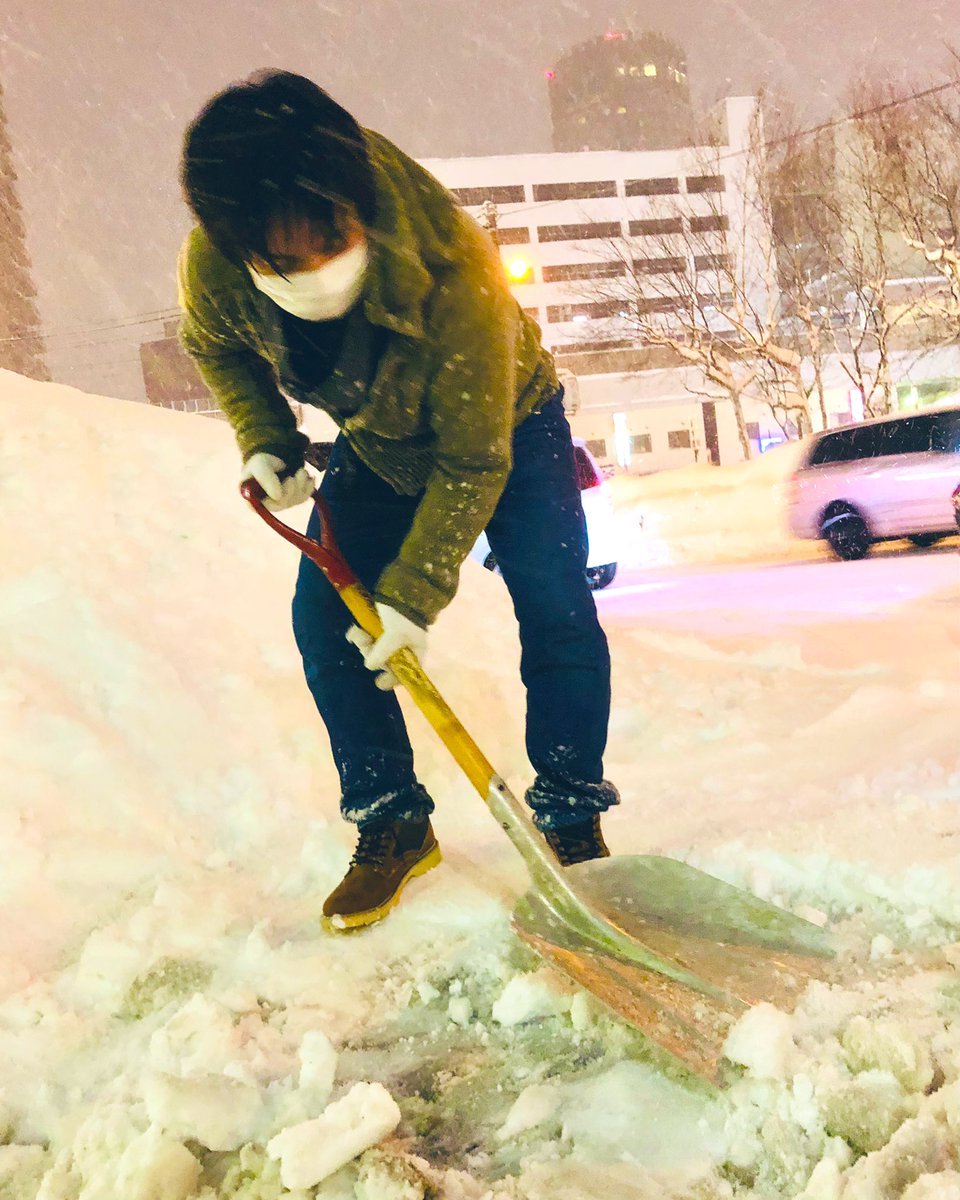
(398,631)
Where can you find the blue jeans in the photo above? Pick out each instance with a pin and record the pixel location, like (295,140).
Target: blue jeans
(538,535)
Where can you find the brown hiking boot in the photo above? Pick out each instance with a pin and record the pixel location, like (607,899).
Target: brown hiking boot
(578,843)
(388,855)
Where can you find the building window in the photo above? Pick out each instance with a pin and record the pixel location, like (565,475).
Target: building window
(574,191)
(709,224)
(657,226)
(708,300)
(641,443)
(558,313)
(510,236)
(650,305)
(576,233)
(498,195)
(650,70)
(659,266)
(597,447)
(653,187)
(621,111)
(713,262)
(679,439)
(533,312)
(589,270)
(697,184)
(589,347)
(753,431)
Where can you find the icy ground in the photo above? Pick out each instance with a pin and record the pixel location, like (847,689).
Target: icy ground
(173,1022)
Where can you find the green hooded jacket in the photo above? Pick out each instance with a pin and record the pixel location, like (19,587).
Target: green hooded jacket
(433,398)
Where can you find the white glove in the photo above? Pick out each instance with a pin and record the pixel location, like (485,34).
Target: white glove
(286,493)
(398,631)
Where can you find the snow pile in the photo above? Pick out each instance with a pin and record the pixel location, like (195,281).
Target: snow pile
(175,1025)
(707,514)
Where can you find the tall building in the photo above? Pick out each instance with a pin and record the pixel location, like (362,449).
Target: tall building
(621,91)
(20,343)
(570,225)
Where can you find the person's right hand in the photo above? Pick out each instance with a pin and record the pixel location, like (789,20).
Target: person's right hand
(281,493)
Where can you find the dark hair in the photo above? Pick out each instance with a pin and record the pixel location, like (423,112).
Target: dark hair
(274,146)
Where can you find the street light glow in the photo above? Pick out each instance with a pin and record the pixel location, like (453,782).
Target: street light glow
(518,269)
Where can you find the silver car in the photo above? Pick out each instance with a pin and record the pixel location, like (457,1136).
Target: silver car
(882,479)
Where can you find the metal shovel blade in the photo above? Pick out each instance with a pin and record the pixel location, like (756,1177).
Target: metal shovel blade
(739,948)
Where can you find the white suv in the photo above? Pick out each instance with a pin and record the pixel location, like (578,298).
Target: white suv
(883,479)
(598,510)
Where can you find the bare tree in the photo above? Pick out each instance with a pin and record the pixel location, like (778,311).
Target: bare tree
(701,278)
(798,258)
(916,137)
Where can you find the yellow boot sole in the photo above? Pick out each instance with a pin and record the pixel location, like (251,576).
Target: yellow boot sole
(343,923)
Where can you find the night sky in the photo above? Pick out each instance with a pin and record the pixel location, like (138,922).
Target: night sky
(98,93)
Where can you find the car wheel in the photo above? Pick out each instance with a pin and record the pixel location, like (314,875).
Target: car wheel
(601,577)
(846,531)
(923,541)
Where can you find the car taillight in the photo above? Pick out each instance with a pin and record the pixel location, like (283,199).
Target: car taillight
(587,474)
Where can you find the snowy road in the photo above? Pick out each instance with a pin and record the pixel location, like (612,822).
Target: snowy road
(764,597)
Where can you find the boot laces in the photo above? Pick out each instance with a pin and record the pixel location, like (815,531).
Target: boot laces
(373,846)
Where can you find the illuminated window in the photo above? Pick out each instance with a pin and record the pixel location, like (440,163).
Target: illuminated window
(621,70)
(650,70)
(621,110)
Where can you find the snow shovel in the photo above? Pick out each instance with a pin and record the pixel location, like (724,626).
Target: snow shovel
(677,953)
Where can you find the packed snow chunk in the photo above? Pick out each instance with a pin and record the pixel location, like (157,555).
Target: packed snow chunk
(155,1167)
(111,1158)
(826,1182)
(21,1168)
(943,1186)
(318,1065)
(312,1150)
(219,1113)
(949,1098)
(919,1147)
(383,1175)
(888,1046)
(530,997)
(866,1111)
(205,1038)
(535,1105)
(762,1041)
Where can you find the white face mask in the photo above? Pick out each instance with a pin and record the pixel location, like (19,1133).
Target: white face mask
(322,294)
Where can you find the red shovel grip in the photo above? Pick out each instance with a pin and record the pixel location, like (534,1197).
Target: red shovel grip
(325,553)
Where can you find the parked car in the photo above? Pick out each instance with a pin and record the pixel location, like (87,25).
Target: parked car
(878,480)
(598,510)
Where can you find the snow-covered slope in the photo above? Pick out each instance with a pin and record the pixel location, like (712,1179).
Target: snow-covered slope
(172,1018)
